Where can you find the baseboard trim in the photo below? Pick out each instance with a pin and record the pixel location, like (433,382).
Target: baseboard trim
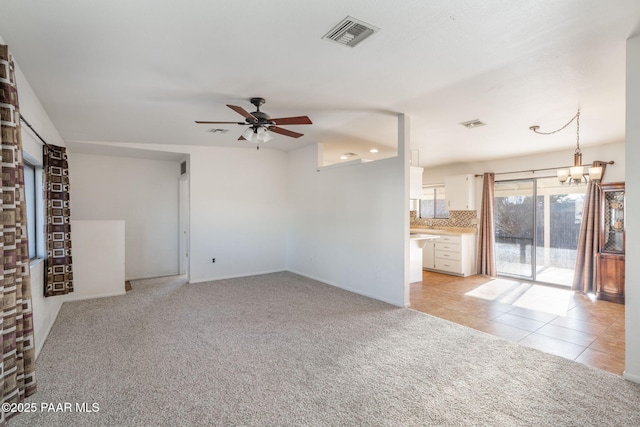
(46,333)
(213,279)
(346,288)
(153,277)
(82,298)
(631,377)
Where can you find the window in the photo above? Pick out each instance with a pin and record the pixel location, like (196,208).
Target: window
(32,188)
(433,203)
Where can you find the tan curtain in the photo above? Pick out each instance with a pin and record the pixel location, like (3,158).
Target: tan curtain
(584,278)
(55,182)
(486,236)
(17,369)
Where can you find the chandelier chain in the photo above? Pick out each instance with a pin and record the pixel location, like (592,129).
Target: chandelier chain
(576,118)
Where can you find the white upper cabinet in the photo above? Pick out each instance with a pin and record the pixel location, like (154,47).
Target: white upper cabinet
(415,182)
(460,192)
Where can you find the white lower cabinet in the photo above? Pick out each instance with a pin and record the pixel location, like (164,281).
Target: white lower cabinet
(452,254)
(429,255)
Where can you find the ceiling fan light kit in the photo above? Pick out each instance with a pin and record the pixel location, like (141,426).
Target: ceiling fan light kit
(574,174)
(248,134)
(261,124)
(256,135)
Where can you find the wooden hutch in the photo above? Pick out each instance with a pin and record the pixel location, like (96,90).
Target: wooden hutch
(610,257)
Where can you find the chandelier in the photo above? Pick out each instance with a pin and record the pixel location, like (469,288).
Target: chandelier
(574,174)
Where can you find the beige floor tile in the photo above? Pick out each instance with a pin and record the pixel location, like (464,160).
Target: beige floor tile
(607,361)
(565,334)
(519,322)
(553,320)
(552,345)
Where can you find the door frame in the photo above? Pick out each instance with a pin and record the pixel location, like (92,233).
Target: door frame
(184,229)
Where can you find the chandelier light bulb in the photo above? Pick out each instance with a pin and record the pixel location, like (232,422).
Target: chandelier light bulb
(563,175)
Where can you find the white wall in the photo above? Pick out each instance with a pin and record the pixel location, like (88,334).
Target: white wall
(613,151)
(237,212)
(346,225)
(604,152)
(265,211)
(45,310)
(143,193)
(632,281)
(98,259)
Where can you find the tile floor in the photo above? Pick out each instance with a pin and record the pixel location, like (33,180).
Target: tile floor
(550,319)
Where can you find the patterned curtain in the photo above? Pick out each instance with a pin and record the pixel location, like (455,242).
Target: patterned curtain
(17,367)
(55,182)
(486,236)
(584,278)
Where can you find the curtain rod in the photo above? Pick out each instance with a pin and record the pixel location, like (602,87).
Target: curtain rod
(610,162)
(35,132)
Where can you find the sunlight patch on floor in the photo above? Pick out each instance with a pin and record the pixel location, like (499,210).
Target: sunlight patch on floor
(525,295)
(501,290)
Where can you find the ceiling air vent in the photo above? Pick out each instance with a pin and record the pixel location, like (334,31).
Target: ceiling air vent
(350,32)
(214,130)
(473,124)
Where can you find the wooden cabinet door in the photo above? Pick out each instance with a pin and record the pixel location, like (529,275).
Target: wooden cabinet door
(610,277)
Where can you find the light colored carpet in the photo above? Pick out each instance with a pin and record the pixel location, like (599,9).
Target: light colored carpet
(280,349)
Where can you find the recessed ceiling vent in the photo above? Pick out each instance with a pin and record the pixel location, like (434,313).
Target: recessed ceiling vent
(473,124)
(217,130)
(350,32)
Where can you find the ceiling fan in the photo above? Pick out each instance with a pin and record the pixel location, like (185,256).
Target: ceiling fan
(260,123)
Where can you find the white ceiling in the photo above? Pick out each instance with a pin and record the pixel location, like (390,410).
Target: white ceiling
(142,71)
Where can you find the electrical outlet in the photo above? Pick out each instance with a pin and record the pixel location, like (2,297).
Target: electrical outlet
(213,260)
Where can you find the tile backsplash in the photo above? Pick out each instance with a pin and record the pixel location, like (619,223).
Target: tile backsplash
(464,219)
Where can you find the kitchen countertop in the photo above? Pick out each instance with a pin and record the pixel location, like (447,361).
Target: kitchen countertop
(419,240)
(423,236)
(446,231)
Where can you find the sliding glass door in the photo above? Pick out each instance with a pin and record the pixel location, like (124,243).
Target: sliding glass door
(558,221)
(514,228)
(542,214)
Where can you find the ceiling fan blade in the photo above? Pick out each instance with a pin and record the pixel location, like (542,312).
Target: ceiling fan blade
(285,132)
(243,112)
(242,138)
(200,122)
(300,120)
